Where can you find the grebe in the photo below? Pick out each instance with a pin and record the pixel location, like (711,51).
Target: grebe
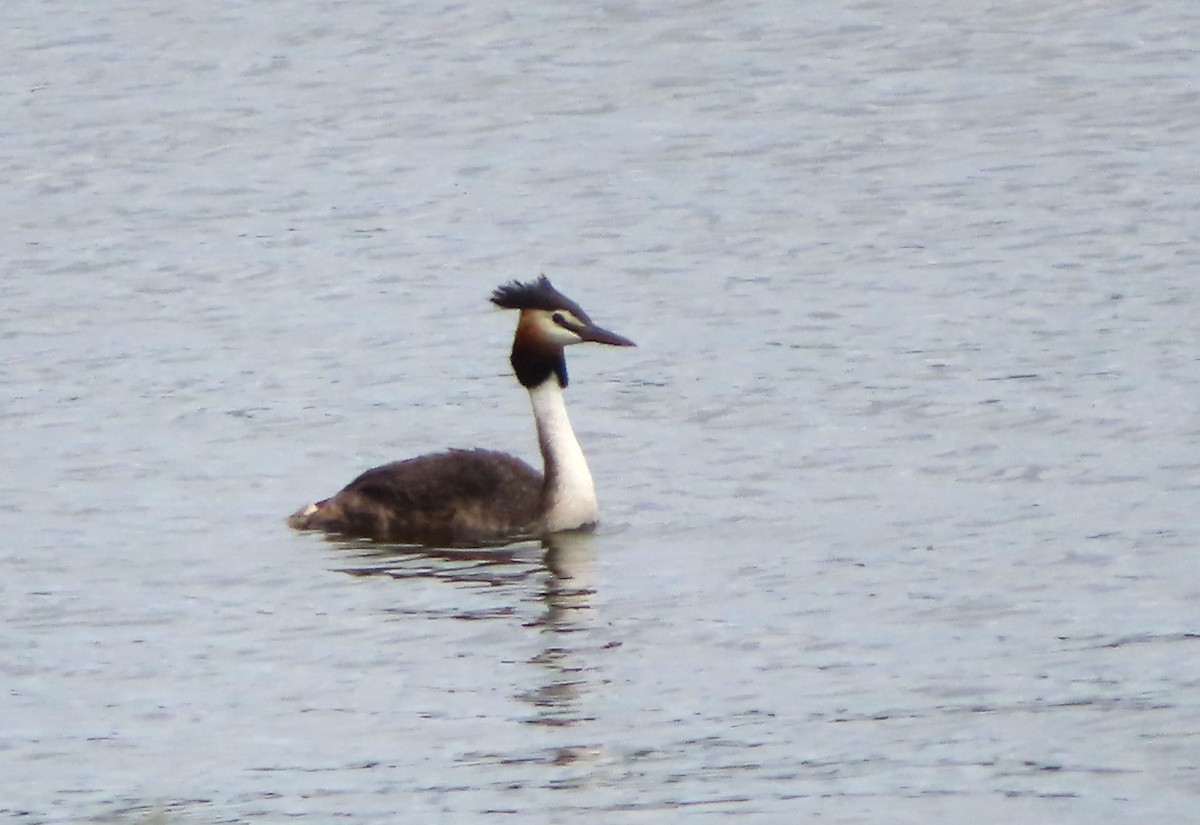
(463,498)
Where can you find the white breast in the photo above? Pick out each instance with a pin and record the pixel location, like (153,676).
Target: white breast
(570,496)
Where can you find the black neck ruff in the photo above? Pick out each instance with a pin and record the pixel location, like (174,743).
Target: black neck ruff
(534,365)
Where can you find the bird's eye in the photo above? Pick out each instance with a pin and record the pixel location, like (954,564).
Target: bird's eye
(567,321)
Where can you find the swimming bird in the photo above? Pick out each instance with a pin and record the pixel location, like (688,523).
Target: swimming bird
(465,498)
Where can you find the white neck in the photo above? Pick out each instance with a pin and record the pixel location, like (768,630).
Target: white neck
(569,496)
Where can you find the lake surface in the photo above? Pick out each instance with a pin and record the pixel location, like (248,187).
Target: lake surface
(899,489)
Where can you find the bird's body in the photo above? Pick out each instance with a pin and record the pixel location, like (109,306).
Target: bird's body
(450,499)
(463,498)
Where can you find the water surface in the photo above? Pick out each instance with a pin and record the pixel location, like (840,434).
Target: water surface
(899,487)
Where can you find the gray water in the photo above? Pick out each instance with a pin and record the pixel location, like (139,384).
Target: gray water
(899,489)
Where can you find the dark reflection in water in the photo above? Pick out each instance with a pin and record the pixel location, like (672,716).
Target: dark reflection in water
(506,566)
(557,575)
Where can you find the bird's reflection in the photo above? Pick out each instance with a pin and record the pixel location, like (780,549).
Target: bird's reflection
(556,574)
(564,663)
(571,563)
(506,566)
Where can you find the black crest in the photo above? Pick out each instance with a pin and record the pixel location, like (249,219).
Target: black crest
(539,294)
